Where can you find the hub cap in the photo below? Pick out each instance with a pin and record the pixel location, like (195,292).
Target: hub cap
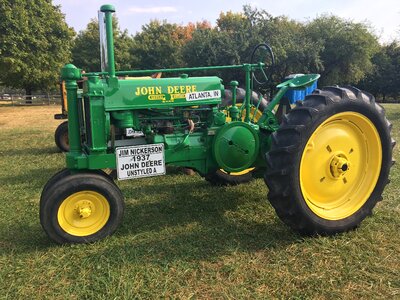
(339,165)
(83,213)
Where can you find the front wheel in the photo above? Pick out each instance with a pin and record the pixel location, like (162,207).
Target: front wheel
(81,208)
(329,161)
(61,137)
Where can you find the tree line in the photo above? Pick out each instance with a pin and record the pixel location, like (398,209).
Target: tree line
(35,42)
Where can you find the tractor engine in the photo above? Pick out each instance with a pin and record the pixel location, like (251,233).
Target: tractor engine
(161,106)
(182,113)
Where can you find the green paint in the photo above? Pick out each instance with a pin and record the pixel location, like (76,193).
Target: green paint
(108,10)
(184,113)
(236,146)
(159,93)
(247,69)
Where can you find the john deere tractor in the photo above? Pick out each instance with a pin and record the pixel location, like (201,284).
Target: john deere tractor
(325,159)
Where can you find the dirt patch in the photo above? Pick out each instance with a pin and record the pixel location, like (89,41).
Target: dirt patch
(37,117)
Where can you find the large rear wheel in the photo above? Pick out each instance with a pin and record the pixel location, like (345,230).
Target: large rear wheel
(329,161)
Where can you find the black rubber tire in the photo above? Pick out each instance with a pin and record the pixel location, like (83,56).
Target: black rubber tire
(219,177)
(288,144)
(64,173)
(240,95)
(61,137)
(53,180)
(70,184)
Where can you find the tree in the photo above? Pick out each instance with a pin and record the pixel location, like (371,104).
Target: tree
(225,44)
(236,35)
(159,45)
(295,51)
(347,49)
(391,73)
(384,79)
(86,49)
(35,42)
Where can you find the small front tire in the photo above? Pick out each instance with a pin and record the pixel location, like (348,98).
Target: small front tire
(81,208)
(61,137)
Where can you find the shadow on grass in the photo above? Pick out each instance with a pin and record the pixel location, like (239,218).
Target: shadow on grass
(194,221)
(24,238)
(35,178)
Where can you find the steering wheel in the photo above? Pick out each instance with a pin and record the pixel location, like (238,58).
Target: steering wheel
(271,54)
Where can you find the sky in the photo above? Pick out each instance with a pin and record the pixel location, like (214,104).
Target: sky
(382,15)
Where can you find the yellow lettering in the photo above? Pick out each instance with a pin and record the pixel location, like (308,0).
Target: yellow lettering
(179,89)
(144,91)
(177,96)
(151,90)
(156,97)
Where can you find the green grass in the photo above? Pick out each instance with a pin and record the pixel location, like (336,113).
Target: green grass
(182,238)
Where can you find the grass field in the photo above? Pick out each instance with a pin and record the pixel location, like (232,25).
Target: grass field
(182,238)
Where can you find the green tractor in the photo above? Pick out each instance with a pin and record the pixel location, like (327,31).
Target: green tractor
(325,160)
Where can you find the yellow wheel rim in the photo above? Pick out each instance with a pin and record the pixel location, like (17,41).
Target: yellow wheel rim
(340,165)
(83,213)
(257,115)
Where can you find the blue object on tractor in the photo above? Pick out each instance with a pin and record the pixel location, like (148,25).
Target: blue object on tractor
(299,94)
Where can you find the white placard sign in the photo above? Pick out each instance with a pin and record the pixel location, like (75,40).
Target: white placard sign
(204,95)
(140,161)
